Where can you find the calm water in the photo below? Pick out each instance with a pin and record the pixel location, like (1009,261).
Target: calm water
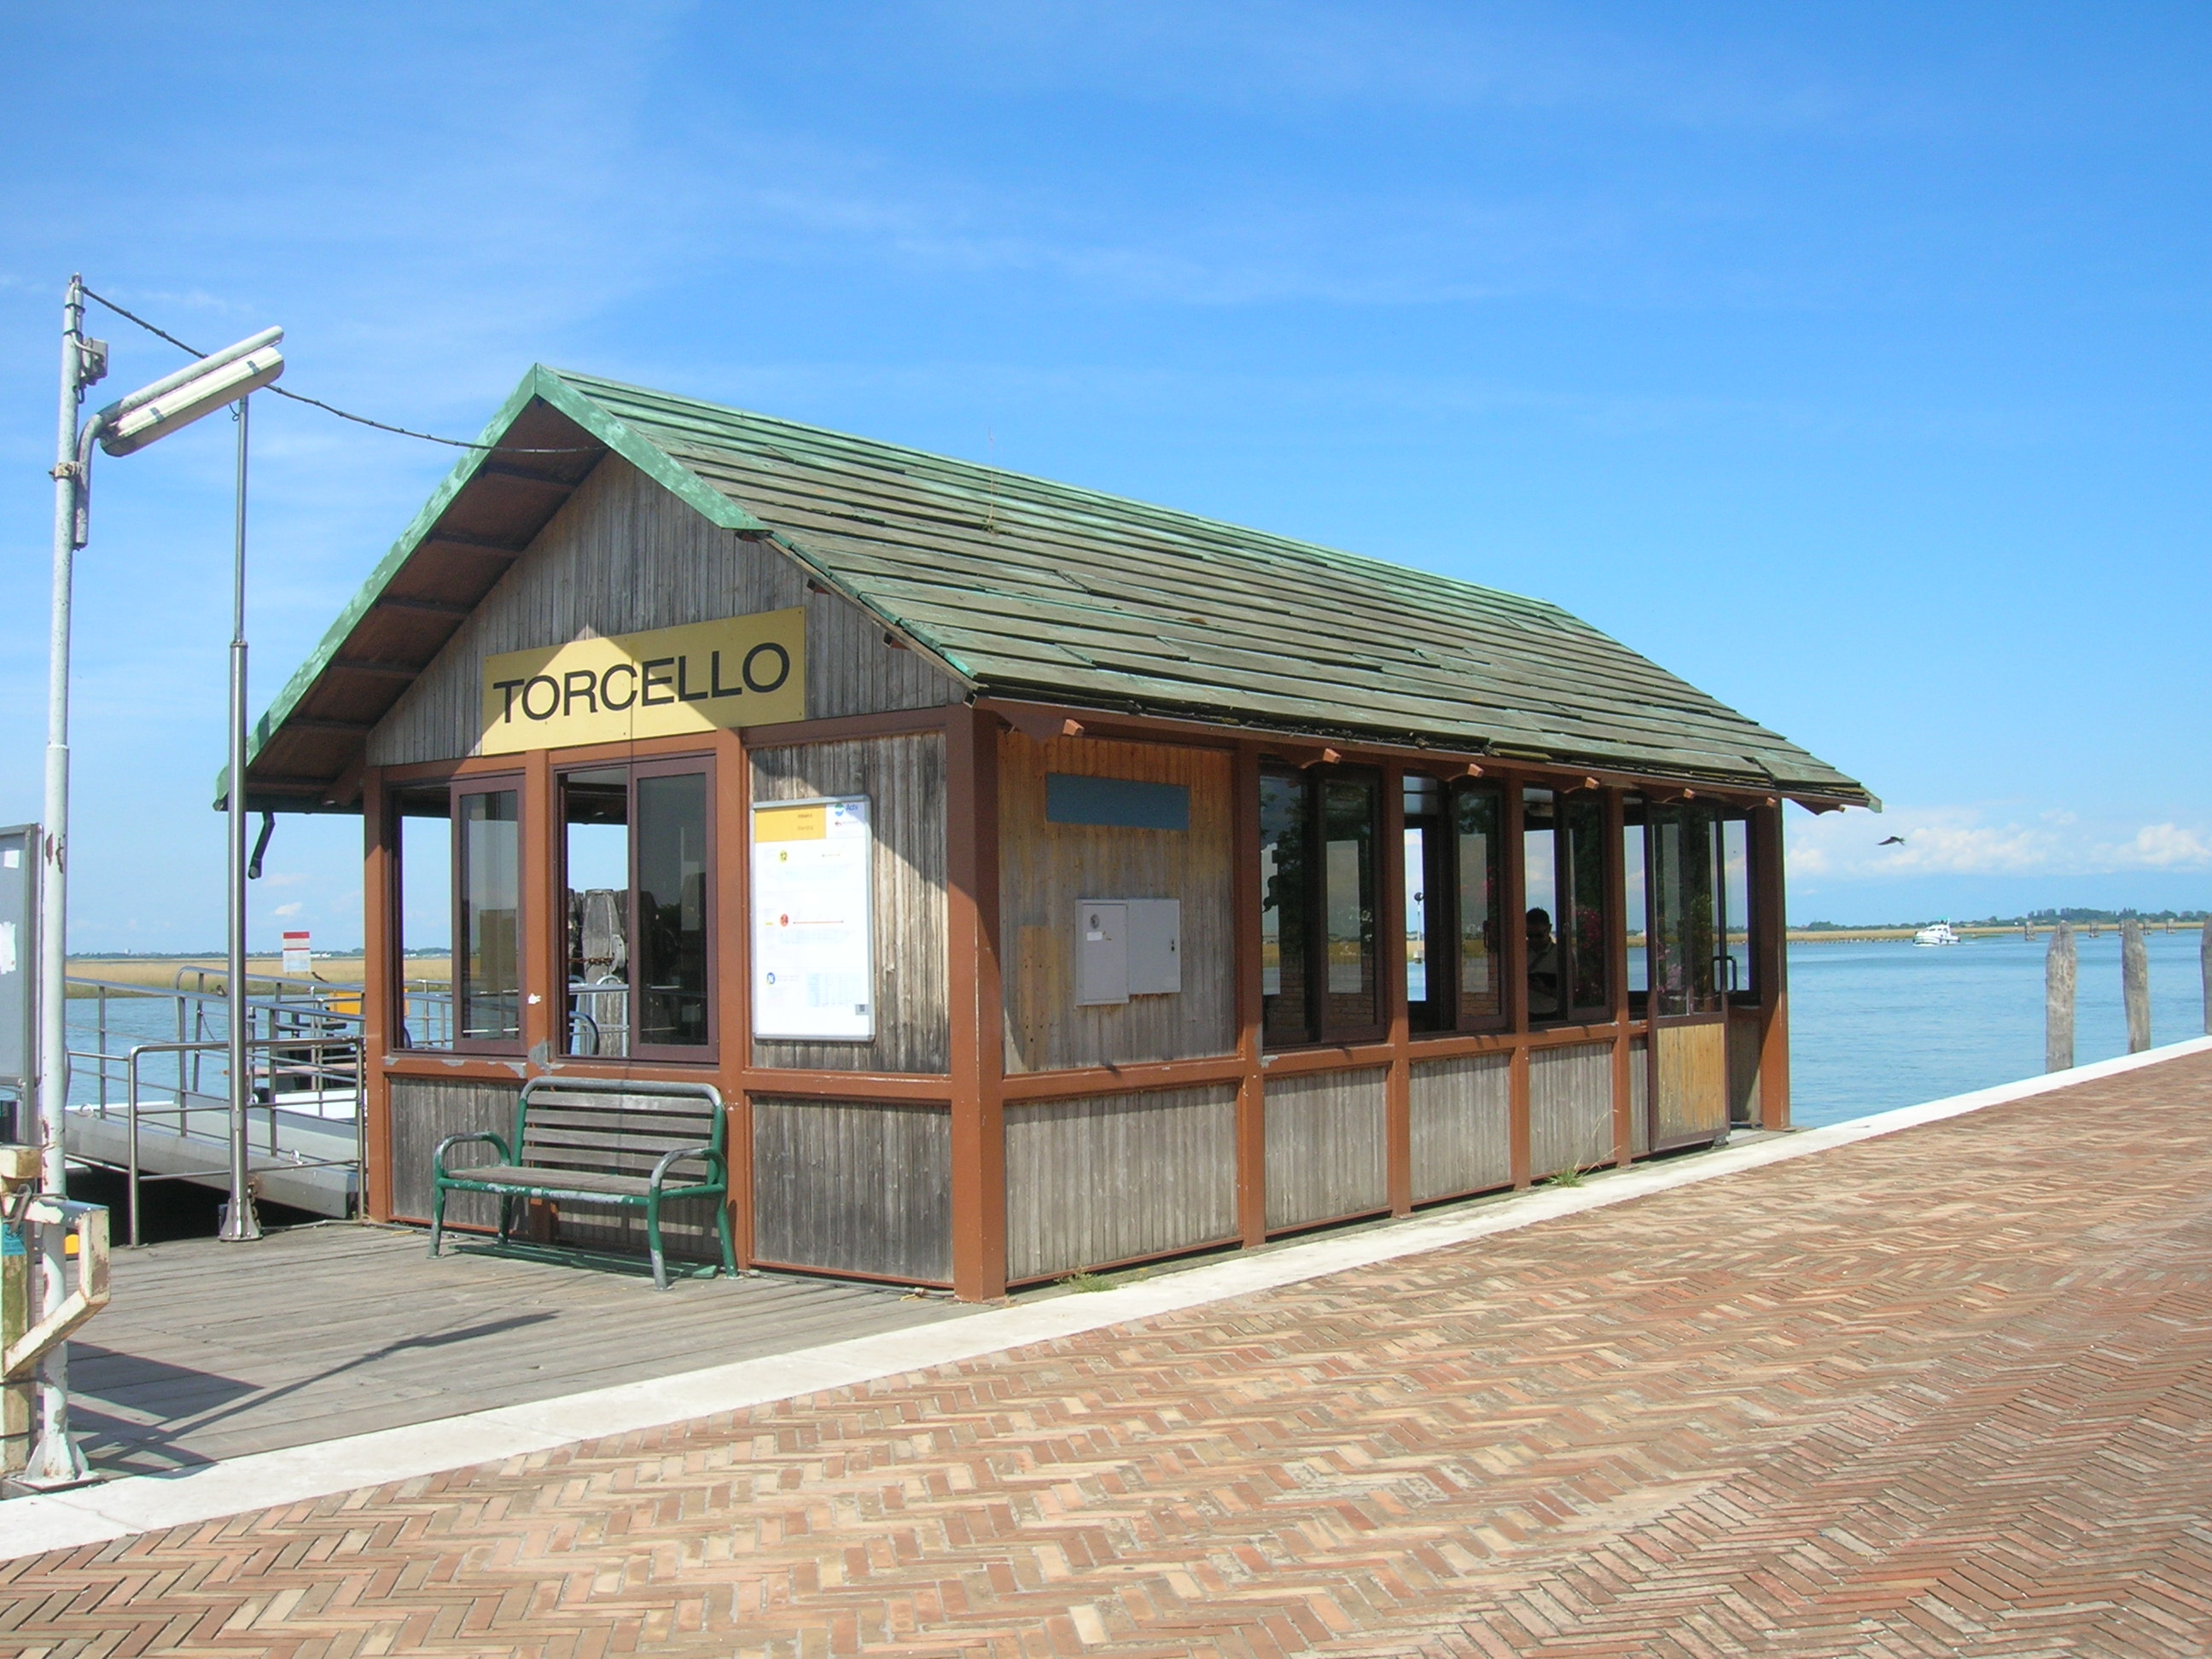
(1876,1026)
(1872,1026)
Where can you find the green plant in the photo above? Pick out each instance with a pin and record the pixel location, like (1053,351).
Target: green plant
(1086,1281)
(1569,1176)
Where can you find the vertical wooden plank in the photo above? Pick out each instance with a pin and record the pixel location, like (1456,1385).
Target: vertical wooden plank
(379,915)
(1398,1128)
(1516,972)
(979,1148)
(544,946)
(1616,908)
(1251,1092)
(1770,965)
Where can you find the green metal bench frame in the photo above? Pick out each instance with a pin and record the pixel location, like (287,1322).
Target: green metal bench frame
(520,1176)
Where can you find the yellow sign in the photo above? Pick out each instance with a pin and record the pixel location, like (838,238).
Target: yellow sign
(743,671)
(791,823)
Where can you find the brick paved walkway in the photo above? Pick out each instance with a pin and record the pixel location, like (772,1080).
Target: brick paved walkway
(1946,1392)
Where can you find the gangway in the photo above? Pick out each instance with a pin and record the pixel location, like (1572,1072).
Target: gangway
(150,1091)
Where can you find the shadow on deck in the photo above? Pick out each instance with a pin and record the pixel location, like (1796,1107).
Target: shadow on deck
(211,1350)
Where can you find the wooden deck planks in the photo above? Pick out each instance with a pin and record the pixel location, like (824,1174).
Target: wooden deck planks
(212,1351)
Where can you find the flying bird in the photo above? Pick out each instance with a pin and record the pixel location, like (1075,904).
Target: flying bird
(1894,840)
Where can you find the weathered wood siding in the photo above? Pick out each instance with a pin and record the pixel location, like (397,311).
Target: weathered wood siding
(858,1187)
(904,779)
(1113,1177)
(1570,1108)
(1743,1066)
(1326,1141)
(1461,1136)
(1692,1083)
(1639,1096)
(622,556)
(1046,870)
(424,1111)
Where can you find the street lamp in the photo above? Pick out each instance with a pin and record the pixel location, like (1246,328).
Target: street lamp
(145,416)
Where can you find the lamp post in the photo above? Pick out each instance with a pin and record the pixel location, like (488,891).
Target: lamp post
(124,427)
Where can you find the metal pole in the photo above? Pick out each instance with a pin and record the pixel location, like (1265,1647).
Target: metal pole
(55,1460)
(239,1220)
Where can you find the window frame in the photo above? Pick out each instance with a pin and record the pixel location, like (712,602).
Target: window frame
(458,789)
(701,764)
(1316,1031)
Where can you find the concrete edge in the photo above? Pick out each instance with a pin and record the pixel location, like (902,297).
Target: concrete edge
(138,1504)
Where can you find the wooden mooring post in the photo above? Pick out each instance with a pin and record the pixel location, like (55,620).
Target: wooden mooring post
(2135,984)
(2058,999)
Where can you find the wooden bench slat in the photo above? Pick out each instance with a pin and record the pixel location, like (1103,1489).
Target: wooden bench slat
(586,1140)
(607,1111)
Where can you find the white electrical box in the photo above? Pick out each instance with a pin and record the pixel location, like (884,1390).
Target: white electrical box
(1125,948)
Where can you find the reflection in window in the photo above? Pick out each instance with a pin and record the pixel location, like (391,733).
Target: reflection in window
(1348,826)
(1582,875)
(1539,895)
(636,849)
(423,916)
(671,910)
(1735,903)
(1428,907)
(1283,929)
(1477,809)
(595,864)
(488,984)
(1631,859)
(1685,945)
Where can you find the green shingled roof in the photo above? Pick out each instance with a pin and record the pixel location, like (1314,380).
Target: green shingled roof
(1028,588)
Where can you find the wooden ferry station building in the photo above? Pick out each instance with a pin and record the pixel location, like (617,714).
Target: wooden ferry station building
(1039,881)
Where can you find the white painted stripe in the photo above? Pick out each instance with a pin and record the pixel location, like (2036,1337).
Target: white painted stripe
(138,1504)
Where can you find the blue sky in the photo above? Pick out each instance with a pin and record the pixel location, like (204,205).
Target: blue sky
(1850,361)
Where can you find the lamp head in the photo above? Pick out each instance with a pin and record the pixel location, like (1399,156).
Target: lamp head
(154,412)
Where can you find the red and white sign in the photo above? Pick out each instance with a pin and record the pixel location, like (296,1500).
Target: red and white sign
(299,959)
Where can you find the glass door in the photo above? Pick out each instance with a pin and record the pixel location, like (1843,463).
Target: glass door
(1686,965)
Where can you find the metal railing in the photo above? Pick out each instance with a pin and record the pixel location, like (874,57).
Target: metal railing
(304,1045)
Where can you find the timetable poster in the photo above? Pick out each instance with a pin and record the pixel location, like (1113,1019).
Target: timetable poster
(813,953)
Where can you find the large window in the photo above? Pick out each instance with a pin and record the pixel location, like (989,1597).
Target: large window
(422,915)
(635,876)
(1562,849)
(1320,968)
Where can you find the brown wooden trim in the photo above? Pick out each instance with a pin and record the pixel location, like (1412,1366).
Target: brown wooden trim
(1229,1242)
(545,974)
(1616,904)
(1326,1057)
(1303,749)
(815,1270)
(979,1145)
(1251,1087)
(1517,1116)
(890,723)
(378,896)
(1327,1221)
(1771,967)
(1390,960)
(881,1087)
(1083,1082)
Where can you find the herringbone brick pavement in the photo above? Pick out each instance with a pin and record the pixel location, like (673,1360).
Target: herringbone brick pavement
(1946,1392)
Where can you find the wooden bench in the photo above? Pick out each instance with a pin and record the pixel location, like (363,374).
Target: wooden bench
(600,1141)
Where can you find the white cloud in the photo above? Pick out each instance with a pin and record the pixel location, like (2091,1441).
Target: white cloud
(292,909)
(1976,840)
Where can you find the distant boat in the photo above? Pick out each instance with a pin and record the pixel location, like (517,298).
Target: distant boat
(1940,934)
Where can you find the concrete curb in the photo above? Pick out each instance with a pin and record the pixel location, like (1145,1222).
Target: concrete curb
(138,1504)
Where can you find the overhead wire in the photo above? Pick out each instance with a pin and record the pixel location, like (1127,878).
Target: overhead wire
(346,415)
